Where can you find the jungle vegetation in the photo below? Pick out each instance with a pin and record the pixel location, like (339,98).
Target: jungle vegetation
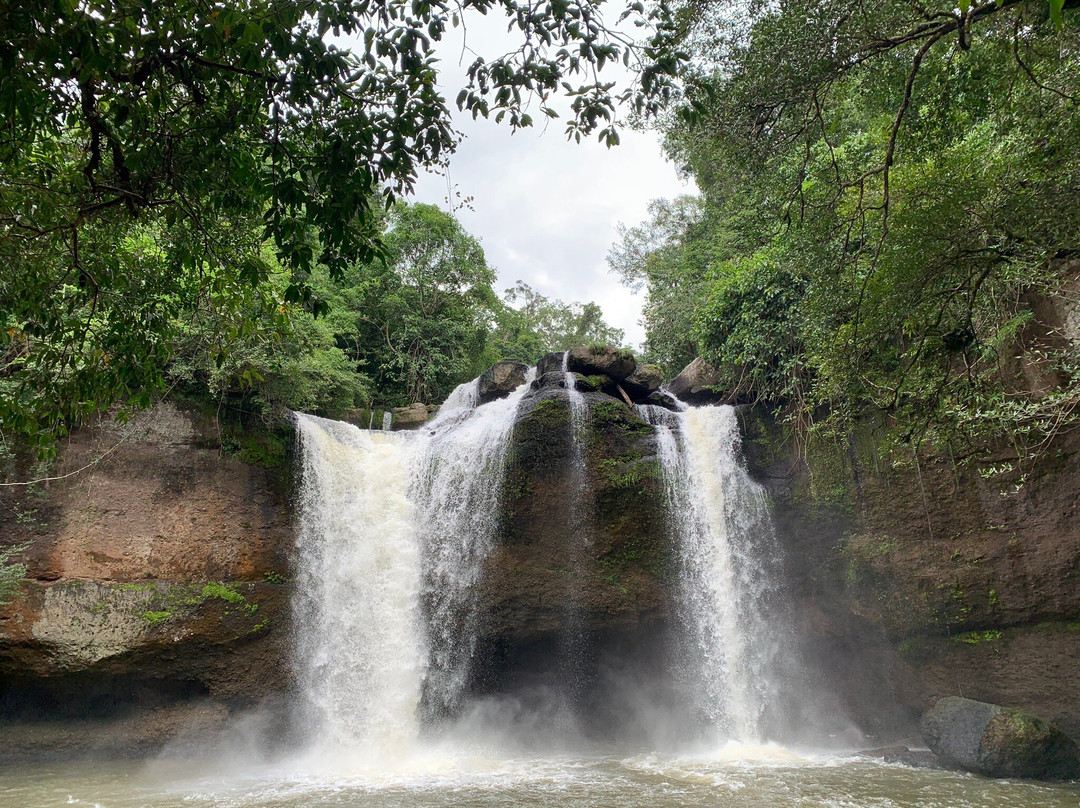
(887,230)
(190,180)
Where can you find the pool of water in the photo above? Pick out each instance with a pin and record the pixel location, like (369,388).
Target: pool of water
(740,777)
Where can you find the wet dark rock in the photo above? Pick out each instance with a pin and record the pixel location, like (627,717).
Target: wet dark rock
(590,360)
(552,379)
(500,380)
(663,399)
(617,570)
(644,381)
(999,741)
(550,363)
(596,384)
(411,417)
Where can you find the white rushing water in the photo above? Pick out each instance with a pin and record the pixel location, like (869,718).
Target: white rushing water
(357,590)
(726,569)
(458,485)
(579,409)
(394,530)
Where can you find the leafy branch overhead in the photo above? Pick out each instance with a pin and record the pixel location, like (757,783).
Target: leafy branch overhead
(888,228)
(161,158)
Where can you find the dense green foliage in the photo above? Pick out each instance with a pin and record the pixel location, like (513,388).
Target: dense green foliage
(530,325)
(203,163)
(888,215)
(396,331)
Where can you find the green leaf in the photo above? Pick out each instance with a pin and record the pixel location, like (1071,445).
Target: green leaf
(1056,7)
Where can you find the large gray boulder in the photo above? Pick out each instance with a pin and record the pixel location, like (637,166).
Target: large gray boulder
(591,360)
(999,741)
(411,417)
(550,363)
(500,380)
(644,381)
(696,384)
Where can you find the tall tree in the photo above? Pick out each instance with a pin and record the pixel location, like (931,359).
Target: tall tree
(888,192)
(227,127)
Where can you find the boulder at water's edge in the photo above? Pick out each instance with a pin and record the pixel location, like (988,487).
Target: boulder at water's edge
(999,741)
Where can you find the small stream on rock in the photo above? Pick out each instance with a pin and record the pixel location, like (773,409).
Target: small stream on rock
(395,533)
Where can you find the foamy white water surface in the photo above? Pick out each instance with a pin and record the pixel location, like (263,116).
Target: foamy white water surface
(727,778)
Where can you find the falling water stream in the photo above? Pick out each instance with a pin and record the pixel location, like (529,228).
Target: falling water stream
(394,532)
(732,632)
(457,484)
(358,636)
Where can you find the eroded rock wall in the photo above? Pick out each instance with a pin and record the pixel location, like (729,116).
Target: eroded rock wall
(927,576)
(157,567)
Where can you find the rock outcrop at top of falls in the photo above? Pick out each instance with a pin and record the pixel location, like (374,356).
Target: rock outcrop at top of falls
(500,380)
(614,371)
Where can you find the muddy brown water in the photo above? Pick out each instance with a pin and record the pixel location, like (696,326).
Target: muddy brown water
(765,777)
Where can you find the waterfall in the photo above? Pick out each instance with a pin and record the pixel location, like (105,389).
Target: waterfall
(458,485)
(357,587)
(387,420)
(727,554)
(578,407)
(395,530)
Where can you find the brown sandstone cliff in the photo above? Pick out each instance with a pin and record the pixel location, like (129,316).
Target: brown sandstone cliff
(155,584)
(931,577)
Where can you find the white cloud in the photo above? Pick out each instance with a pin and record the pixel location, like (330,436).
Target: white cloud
(545,208)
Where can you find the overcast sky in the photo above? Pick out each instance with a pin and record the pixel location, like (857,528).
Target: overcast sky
(546,209)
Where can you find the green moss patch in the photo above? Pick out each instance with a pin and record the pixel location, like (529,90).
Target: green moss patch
(979,637)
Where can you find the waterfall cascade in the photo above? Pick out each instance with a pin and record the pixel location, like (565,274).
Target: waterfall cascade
(395,529)
(578,408)
(726,594)
(457,484)
(357,587)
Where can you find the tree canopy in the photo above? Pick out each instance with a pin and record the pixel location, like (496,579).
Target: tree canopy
(887,201)
(164,161)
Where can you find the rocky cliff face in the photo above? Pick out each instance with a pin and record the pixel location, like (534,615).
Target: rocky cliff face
(597,541)
(932,577)
(157,600)
(156,585)
(575,594)
(159,573)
